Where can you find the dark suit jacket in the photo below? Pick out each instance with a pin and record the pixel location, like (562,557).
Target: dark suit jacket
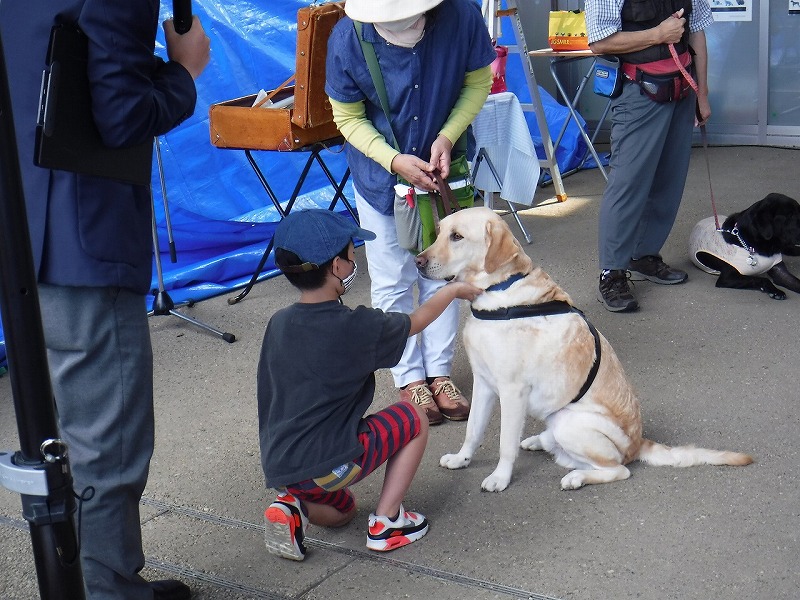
(87,231)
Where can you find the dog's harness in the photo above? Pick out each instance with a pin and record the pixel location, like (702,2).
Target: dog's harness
(707,239)
(546,309)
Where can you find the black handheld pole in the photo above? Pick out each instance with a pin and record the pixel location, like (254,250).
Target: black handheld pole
(40,470)
(182,15)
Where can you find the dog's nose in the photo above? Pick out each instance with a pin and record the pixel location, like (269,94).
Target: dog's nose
(421,261)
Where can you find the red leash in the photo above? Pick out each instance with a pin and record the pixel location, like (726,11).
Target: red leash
(690,80)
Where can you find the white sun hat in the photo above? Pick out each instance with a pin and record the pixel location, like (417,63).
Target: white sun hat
(384,11)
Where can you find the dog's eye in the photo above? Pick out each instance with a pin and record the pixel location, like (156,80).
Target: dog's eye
(455,236)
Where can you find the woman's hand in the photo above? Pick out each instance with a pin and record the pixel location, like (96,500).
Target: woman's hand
(415,171)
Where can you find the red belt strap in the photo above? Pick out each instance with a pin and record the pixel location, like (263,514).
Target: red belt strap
(659,67)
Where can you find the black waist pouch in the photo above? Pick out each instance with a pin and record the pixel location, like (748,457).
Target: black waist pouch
(670,87)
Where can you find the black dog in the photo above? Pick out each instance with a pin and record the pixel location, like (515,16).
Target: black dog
(755,240)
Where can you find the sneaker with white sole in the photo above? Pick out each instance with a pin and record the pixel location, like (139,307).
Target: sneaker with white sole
(614,292)
(385,534)
(285,525)
(652,268)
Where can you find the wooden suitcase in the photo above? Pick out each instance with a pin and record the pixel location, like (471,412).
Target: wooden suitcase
(238,124)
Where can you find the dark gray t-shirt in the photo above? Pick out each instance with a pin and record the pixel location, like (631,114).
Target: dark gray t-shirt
(315,382)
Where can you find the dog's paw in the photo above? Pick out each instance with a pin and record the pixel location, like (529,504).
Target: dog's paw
(776,294)
(572,481)
(772,291)
(495,483)
(454,461)
(531,443)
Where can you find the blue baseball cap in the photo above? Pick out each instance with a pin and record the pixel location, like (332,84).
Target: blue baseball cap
(316,236)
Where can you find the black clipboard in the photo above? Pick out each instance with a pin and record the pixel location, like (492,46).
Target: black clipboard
(67,138)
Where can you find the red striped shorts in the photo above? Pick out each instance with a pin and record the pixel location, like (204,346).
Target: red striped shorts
(387,432)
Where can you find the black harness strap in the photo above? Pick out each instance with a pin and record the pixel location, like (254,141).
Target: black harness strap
(555,307)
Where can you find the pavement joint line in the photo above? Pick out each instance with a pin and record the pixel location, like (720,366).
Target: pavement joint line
(361,554)
(173,569)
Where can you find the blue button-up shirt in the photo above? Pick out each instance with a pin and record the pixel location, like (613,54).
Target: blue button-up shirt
(422,85)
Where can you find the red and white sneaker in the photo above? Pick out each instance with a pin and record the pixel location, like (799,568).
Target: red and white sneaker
(285,525)
(385,534)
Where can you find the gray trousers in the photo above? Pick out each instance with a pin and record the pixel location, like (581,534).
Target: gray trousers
(101,365)
(650,148)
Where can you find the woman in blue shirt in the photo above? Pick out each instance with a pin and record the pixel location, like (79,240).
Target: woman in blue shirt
(434,57)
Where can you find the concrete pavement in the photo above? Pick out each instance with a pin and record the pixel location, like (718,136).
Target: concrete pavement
(713,367)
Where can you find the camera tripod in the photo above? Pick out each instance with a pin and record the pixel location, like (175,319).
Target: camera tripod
(162,303)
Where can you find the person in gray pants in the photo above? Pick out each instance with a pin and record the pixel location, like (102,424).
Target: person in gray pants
(91,240)
(662,48)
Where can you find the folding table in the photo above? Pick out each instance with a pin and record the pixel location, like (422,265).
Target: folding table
(315,157)
(566,57)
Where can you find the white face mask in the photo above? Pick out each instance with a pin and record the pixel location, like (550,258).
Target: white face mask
(347,282)
(402,25)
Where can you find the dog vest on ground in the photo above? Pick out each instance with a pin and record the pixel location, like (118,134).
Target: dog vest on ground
(705,239)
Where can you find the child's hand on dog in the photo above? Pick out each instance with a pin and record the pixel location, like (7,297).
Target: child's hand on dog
(466,291)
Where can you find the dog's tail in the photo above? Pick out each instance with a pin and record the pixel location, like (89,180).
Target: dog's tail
(689,456)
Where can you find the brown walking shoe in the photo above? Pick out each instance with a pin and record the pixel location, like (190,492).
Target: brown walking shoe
(451,402)
(419,393)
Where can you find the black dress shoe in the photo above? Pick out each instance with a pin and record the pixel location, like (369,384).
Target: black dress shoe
(170,589)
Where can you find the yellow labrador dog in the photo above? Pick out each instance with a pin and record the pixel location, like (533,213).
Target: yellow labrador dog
(530,348)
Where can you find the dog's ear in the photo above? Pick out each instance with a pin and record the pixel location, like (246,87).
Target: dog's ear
(787,231)
(757,220)
(501,246)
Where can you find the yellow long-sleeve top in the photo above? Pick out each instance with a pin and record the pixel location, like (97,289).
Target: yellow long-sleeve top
(358,130)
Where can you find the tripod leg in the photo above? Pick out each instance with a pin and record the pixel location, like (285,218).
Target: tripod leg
(162,303)
(228,337)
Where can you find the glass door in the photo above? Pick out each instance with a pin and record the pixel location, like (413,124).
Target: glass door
(783,89)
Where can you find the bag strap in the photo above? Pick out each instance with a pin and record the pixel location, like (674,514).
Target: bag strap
(459,148)
(448,198)
(377,77)
(449,202)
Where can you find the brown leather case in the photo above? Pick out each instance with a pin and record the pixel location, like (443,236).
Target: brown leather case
(237,124)
(314,26)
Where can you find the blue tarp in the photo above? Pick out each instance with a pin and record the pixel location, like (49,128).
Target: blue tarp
(221,218)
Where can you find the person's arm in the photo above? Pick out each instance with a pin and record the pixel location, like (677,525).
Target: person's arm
(669,31)
(697,41)
(136,95)
(352,122)
(358,130)
(190,49)
(428,312)
(477,85)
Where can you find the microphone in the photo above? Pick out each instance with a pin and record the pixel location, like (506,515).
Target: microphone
(182,15)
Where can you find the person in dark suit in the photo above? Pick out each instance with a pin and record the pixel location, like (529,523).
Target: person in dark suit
(92,248)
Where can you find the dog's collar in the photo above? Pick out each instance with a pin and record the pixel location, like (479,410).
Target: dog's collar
(554,307)
(751,258)
(504,285)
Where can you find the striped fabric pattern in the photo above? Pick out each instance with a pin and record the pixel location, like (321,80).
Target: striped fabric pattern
(387,431)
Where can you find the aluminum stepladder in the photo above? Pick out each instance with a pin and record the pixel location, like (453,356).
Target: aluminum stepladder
(493,12)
